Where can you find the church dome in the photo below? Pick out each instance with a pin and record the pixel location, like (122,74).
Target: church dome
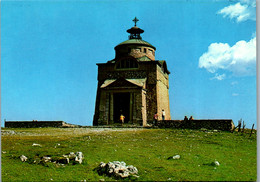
(135,46)
(136,42)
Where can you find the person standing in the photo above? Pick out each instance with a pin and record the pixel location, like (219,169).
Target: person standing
(122,118)
(163,114)
(155,117)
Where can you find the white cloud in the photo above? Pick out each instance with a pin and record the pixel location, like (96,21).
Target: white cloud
(235,94)
(219,77)
(239,59)
(241,11)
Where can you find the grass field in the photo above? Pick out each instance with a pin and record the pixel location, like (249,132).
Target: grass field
(146,149)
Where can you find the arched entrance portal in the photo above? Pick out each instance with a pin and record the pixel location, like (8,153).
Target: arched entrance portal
(121,106)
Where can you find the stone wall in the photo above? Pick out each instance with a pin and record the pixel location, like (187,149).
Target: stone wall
(136,51)
(211,124)
(163,94)
(144,109)
(151,101)
(138,108)
(103,118)
(33,124)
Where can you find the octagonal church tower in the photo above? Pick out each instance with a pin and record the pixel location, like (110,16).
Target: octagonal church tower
(134,84)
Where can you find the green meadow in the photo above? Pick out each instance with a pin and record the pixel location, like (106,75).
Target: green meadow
(146,149)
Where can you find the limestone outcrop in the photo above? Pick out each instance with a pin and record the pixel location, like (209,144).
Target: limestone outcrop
(117,169)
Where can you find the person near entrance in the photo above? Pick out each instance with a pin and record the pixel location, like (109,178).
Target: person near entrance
(163,114)
(122,119)
(155,117)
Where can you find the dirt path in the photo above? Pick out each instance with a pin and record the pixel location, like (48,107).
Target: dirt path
(60,131)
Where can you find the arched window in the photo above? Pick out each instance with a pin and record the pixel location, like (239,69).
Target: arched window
(127,63)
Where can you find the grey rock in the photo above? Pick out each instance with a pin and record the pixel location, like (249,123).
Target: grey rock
(136,176)
(46,159)
(216,163)
(72,155)
(175,157)
(132,169)
(23,158)
(117,169)
(8,132)
(102,164)
(79,157)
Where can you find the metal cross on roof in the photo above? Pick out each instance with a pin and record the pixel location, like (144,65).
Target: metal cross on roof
(135,20)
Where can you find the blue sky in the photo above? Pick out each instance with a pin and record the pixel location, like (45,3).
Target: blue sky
(49,51)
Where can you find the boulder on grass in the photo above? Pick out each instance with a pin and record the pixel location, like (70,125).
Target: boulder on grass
(79,157)
(46,159)
(215,163)
(117,169)
(72,155)
(175,157)
(23,158)
(36,145)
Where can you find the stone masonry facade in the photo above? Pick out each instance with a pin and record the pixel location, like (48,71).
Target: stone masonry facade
(133,84)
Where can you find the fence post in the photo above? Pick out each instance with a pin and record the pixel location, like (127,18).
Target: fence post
(252,130)
(243,127)
(239,126)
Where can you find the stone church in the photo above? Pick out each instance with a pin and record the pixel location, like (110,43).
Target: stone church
(134,84)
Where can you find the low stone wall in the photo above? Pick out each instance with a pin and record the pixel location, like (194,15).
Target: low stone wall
(33,124)
(211,124)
